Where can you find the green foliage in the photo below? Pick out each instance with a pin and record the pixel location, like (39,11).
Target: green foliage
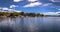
(13,14)
(30,14)
(41,15)
(21,13)
(4,13)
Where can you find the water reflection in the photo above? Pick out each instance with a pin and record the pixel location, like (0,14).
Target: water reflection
(30,24)
(5,25)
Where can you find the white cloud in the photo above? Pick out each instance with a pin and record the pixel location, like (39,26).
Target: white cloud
(52,0)
(16,11)
(33,4)
(13,6)
(32,0)
(12,10)
(47,4)
(58,13)
(4,8)
(17,0)
(52,13)
(55,0)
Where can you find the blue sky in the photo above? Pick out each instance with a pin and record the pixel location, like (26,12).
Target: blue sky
(35,6)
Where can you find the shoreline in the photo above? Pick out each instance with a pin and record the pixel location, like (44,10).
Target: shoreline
(26,16)
(19,16)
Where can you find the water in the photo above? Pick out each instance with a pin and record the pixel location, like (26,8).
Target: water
(30,24)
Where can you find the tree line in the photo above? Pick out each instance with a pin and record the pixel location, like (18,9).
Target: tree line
(16,14)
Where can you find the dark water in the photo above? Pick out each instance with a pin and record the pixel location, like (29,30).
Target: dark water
(30,24)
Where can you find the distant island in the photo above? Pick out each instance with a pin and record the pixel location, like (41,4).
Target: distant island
(20,14)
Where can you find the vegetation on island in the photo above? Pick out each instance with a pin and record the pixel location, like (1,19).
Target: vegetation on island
(19,14)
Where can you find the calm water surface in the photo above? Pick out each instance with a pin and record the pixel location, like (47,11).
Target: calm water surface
(30,24)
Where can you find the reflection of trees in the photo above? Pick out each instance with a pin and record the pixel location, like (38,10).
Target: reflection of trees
(23,27)
(2,19)
(4,27)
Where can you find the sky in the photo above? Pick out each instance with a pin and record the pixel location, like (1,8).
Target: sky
(32,6)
